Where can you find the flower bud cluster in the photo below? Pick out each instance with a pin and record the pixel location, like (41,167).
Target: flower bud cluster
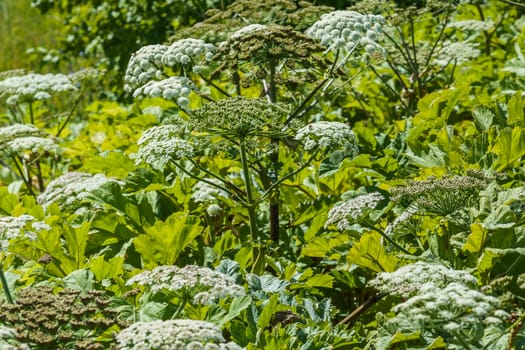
(204,285)
(149,62)
(441,196)
(188,51)
(250,28)
(344,214)
(144,65)
(456,53)
(204,192)
(174,88)
(407,280)
(173,335)
(32,87)
(326,135)
(160,144)
(344,30)
(70,189)
(18,226)
(21,138)
(457,309)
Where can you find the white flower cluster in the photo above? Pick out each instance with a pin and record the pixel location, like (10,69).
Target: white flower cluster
(456,53)
(456,308)
(173,335)
(144,65)
(344,30)
(250,28)
(325,135)
(188,51)
(36,145)
(16,226)
(19,138)
(407,280)
(11,132)
(174,88)
(31,87)
(160,144)
(204,192)
(471,25)
(72,188)
(204,285)
(342,215)
(147,65)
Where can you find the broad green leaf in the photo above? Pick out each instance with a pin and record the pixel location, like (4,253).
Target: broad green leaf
(164,242)
(8,201)
(509,146)
(483,117)
(80,280)
(370,253)
(491,255)
(237,306)
(266,314)
(106,269)
(515,115)
(320,280)
(477,238)
(76,241)
(319,247)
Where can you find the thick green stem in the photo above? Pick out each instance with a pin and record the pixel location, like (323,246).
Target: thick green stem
(5,286)
(37,162)
(26,180)
(257,251)
(274,210)
(31,113)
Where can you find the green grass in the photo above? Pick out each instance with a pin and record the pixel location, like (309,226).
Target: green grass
(23,27)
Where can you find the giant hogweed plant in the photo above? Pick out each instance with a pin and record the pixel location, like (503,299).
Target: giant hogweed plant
(232,124)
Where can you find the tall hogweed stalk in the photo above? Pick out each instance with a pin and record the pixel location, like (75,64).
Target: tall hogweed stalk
(246,99)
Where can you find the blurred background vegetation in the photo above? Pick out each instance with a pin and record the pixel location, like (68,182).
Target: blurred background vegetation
(23,27)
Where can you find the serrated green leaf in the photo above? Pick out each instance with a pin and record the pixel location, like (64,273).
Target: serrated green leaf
(509,146)
(266,314)
(370,253)
(163,242)
(80,280)
(515,115)
(477,238)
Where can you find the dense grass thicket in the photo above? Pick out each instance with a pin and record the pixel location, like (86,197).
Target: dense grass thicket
(266,175)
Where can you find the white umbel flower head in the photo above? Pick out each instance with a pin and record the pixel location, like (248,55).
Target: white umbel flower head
(173,335)
(456,53)
(160,144)
(14,131)
(175,88)
(342,215)
(32,87)
(21,138)
(326,135)
(250,28)
(203,192)
(407,280)
(32,144)
(187,52)
(345,30)
(144,65)
(455,308)
(18,226)
(204,285)
(72,188)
